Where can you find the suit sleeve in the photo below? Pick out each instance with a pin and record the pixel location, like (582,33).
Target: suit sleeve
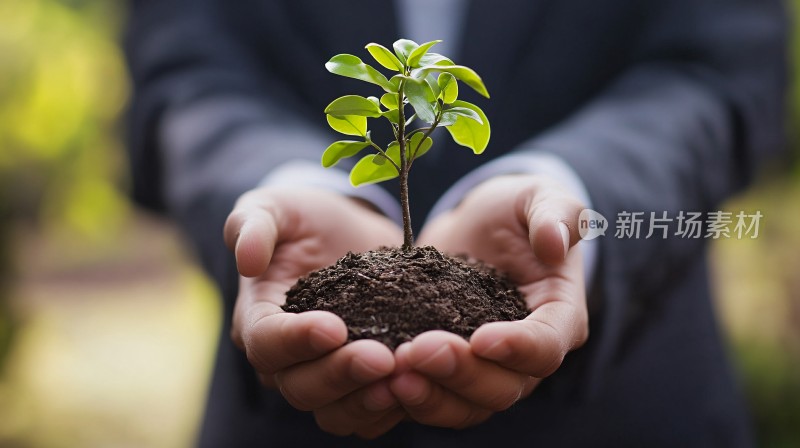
(691,120)
(205,117)
(210,119)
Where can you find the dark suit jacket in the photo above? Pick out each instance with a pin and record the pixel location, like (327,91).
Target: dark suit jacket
(660,105)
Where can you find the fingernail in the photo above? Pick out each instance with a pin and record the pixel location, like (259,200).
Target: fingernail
(401,358)
(379,398)
(564,236)
(410,389)
(321,341)
(445,361)
(364,372)
(498,351)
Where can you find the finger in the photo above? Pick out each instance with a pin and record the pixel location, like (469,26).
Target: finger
(267,381)
(251,232)
(314,384)
(357,411)
(257,299)
(535,346)
(552,221)
(389,421)
(276,340)
(401,358)
(428,403)
(438,232)
(448,360)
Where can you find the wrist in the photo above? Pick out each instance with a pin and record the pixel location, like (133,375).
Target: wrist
(305,174)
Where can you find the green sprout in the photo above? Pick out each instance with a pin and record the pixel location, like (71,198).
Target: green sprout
(426,81)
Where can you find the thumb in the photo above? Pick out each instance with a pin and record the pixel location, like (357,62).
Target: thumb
(551,217)
(251,232)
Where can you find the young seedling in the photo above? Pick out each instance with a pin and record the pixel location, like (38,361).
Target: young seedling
(426,81)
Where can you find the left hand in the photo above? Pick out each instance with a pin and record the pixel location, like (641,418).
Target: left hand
(277,236)
(525,226)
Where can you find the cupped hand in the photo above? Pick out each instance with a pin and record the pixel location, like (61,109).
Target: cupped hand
(277,236)
(525,226)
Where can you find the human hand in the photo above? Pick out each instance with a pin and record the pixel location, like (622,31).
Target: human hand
(524,226)
(277,236)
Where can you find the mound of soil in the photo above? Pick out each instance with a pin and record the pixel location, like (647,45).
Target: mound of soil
(392,295)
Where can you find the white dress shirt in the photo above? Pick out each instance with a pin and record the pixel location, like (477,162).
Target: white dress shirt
(423,21)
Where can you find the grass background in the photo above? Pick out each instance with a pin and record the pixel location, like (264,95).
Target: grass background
(107,327)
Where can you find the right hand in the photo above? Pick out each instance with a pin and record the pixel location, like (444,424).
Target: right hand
(279,235)
(527,227)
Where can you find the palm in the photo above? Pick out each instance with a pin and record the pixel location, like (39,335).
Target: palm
(279,236)
(500,236)
(513,223)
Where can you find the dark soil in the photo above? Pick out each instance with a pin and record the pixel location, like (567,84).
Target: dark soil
(392,295)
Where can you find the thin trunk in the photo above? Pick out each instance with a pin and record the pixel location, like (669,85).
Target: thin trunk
(408,236)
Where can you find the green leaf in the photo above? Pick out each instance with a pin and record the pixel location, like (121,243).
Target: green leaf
(395,82)
(403,49)
(392,152)
(435,59)
(354,105)
(352,67)
(416,55)
(392,115)
(465,74)
(449,87)
(384,57)
(423,148)
(468,132)
(341,150)
(389,100)
(375,101)
(448,119)
(366,171)
(379,159)
(349,124)
(463,112)
(434,85)
(421,98)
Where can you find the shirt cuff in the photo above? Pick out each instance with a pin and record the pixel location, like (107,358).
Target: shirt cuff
(302,173)
(539,163)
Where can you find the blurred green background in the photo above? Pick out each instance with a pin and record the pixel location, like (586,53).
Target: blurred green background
(107,328)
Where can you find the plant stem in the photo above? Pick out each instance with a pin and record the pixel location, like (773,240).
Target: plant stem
(383,153)
(408,236)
